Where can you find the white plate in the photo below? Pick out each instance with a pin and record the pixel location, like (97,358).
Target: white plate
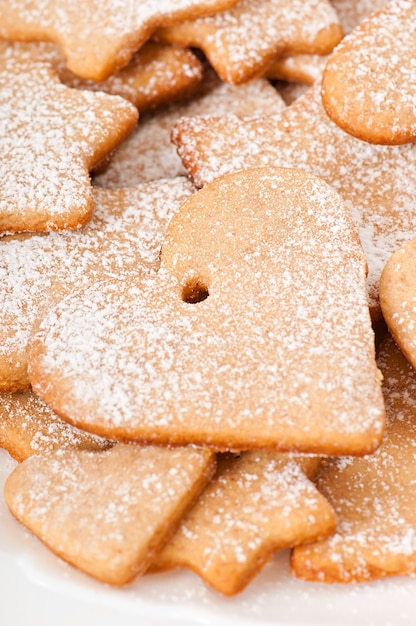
(38,588)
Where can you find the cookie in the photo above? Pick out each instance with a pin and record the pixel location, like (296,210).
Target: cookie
(37,270)
(156,75)
(256,504)
(369,83)
(373,496)
(255,331)
(107,512)
(398,298)
(52,136)
(240,47)
(148,153)
(377,183)
(28,427)
(306,68)
(100,39)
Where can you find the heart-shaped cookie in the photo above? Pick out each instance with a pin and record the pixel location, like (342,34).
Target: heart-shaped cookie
(109,512)
(254,333)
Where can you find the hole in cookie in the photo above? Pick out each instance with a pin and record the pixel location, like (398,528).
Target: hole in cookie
(194,291)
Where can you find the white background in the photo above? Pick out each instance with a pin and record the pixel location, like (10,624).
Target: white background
(38,588)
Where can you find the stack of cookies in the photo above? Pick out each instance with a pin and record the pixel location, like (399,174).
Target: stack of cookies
(208,296)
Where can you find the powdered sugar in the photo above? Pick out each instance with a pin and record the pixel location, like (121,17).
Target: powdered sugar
(51,137)
(36,270)
(149,154)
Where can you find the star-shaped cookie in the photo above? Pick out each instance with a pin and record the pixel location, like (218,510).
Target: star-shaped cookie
(51,137)
(100,37)
(255,505)
(242,42)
